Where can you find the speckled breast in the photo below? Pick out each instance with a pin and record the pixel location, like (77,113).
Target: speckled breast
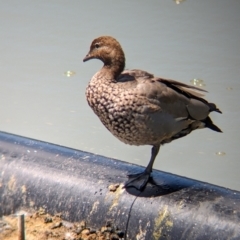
(120,112)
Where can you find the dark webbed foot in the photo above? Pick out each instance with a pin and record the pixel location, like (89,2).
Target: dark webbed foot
(138,180)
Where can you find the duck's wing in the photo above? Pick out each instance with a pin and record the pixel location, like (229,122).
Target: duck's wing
(140,75)
(189,91)
(169,92)
(182,87)
(178,99)
(130,78)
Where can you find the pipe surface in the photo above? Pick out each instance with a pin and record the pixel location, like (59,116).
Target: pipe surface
(85,186)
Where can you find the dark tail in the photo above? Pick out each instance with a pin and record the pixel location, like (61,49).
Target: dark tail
(213,108)
(209,124)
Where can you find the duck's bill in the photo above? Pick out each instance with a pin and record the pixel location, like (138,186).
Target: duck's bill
(88,57)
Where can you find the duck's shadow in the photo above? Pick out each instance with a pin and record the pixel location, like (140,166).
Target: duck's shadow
(162,183)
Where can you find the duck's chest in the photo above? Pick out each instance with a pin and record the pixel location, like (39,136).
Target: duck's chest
(110,103)
(118,110)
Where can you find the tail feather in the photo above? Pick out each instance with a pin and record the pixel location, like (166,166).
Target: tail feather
(213,108)
(209,124)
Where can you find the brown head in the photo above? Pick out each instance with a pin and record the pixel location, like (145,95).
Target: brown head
(109,51)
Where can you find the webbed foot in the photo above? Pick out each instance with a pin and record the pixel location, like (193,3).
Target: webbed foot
(138,181)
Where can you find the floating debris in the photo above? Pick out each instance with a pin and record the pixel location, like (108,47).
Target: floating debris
(220,153)
(69,73)
(197,82)
(178,1)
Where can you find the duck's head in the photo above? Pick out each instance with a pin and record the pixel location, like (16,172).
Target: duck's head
(109,51)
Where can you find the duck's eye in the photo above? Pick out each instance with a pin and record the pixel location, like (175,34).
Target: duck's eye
(97,45)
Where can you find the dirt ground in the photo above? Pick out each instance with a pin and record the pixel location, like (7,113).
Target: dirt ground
(42,226)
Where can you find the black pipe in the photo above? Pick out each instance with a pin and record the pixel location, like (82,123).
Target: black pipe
(84,186)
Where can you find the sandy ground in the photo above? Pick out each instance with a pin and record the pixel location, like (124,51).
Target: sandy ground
(42,226)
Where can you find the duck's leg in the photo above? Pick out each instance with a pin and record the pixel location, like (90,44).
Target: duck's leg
(140,180)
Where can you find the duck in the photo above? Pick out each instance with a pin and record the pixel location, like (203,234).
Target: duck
(141,109)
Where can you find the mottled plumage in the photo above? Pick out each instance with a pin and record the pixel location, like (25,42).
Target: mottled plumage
(140,109)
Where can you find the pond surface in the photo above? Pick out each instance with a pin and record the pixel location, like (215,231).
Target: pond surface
(41,41)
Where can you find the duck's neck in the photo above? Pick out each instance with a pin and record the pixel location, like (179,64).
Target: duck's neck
(114,67)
